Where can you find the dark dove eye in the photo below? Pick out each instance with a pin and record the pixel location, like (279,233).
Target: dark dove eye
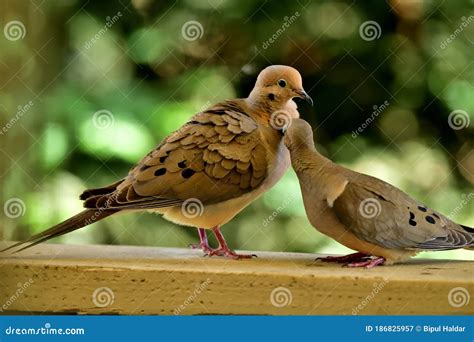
(282,83)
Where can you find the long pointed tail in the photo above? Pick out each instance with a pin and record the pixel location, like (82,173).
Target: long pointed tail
(471,231)
(80,220)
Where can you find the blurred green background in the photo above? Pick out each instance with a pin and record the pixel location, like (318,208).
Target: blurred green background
(89,87)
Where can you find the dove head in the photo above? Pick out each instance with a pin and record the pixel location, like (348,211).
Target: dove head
(276,85)
(299,135)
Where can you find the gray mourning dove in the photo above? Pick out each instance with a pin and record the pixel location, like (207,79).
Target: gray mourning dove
(364,213)
(206,172)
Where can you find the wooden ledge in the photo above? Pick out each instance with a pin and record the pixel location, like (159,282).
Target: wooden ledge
(142,280)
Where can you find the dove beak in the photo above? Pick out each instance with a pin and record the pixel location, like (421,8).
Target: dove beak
(304,95)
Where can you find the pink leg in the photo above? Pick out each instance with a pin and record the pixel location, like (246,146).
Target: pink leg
(224,250)
(354,257)
(203,243)
(368,263)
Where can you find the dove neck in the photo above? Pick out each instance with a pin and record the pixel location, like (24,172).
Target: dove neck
(305,157)
(263,106)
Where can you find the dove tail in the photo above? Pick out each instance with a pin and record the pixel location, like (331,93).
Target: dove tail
(80,220)
(469,230)
(100,191)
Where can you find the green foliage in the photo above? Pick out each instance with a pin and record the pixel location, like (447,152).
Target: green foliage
(143,70)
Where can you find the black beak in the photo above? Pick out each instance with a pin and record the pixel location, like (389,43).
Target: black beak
(302,94)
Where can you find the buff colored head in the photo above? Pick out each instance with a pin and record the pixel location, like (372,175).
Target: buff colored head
(278,84)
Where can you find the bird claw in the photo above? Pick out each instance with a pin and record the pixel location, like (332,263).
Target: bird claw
(368,263)
(203,246)
(228,253)
(350,258)
(223,250)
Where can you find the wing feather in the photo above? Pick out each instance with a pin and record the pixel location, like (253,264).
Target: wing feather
(379,213)
(216,156)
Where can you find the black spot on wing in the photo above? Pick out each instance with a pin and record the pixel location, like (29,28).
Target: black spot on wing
(411,220)
(187,173)
(423,209)
(436,215)
(160,172)
(430,219)
(182,164)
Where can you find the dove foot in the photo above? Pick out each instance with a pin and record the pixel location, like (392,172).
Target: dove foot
(203,242)
(350,258)
(229,253)
(224,250)
(368,263)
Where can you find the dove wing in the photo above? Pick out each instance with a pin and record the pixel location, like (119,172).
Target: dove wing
(218,155)
(379,213)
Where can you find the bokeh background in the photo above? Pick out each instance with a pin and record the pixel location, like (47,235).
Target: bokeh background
(89,87)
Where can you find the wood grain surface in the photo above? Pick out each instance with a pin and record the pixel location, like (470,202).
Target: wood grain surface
(166,281)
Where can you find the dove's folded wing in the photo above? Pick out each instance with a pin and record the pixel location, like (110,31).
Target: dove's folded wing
(218,155)
(381,214)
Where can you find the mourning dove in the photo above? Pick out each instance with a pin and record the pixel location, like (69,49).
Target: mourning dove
(207,171)
(364,213)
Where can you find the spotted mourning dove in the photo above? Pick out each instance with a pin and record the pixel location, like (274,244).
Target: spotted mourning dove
(364,213)
(207,171)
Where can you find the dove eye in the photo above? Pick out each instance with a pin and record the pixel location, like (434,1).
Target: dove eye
(282,83)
